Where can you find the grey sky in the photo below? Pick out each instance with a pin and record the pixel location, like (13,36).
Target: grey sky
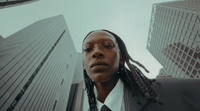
(129,19)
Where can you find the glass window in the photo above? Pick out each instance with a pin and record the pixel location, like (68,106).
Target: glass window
(190,42)
(187,73)
(183,69)
(178,21)
(191,26)
(179,44)
(190,68)
(54,106)
(184,31)
(178,58)
(180,30)
(14,103)
(193,35)
(178,13)
(191,52)
(174,56)
(173,27)
(186,64)
(172,53)
(177,51)
(176,63)
(184,56)
(188,33)
(186,49)
(173,60)
(193,17)
(189,16)
(194,45)
(184,15)
(194,71)
(67,66)
(186,24)
(182,23)
(62,81)
(185,40)
(179,66)
(192,62)
(176,29)
(182,47)
(174,12)
(181,61)
(181,38)
(197,66)
(188,59)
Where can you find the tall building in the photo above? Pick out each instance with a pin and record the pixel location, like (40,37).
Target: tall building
(1,38)
(38,66)
(10,3)
(174,38)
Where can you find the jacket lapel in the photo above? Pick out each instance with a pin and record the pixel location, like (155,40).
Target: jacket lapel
(131,104)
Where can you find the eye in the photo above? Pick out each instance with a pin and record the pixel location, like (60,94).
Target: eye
(88,49)
(108,45)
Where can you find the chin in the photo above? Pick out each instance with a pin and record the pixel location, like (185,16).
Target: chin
(100,78)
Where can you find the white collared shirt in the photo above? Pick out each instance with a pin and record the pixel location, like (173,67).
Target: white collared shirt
(114,98)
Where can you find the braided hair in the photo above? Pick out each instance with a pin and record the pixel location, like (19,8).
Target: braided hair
(132,78)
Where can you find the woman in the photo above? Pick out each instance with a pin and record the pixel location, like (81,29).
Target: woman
(118,87)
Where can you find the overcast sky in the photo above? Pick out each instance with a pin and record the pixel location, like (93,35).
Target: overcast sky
(129,19)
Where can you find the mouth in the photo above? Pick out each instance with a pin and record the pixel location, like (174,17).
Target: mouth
(98,63)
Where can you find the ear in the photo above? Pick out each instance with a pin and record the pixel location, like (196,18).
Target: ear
(121,60)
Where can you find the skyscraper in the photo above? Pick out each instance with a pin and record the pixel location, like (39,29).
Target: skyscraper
(174,38)
(1,38)
(37,67)
(10,3)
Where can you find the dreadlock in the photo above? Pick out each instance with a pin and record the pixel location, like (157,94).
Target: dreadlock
(132,78)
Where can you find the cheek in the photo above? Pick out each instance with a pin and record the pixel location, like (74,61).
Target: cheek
(115,60)
(85,59)
(85,64)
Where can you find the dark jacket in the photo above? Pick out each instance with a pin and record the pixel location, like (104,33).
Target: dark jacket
(177,94)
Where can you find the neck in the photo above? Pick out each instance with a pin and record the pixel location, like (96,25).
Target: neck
(104,88)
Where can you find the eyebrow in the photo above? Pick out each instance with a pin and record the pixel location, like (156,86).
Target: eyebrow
(101,39)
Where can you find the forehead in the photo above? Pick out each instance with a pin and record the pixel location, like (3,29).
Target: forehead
(97,36)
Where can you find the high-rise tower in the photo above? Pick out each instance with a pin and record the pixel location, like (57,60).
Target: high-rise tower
(11,3)
(37,67)
(174,37)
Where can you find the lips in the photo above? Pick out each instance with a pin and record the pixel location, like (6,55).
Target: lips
(98,63)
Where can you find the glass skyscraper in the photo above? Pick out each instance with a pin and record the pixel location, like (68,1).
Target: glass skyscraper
(174,38)
(11,3)
(38,66)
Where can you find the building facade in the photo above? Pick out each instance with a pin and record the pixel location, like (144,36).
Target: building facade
(38,66)
(174,38)
(10,3)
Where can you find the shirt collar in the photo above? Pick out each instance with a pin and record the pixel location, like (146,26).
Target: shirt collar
(114,98)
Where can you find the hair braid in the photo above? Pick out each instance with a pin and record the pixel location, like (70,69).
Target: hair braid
(124,75)
(90,92)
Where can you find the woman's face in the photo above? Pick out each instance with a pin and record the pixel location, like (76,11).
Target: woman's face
(101,56)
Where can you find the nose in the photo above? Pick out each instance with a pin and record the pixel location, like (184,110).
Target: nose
(97,53)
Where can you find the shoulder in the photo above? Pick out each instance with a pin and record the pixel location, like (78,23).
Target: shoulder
(169,81)
(178,93)
(177,87)
(176,79)
(178,83)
